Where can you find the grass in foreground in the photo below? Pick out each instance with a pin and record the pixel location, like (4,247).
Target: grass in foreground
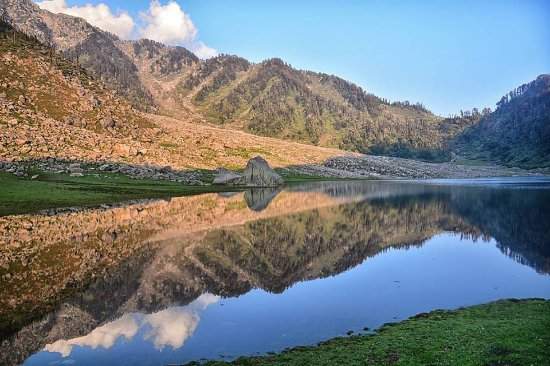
(508,332)
(22,195)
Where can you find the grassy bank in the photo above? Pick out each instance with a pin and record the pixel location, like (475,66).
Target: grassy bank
(501,333)
(49,190)
(22,195)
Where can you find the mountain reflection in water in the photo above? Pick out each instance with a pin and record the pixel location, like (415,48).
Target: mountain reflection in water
(90,280)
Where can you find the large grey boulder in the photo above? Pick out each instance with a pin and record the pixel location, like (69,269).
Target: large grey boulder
(258,173)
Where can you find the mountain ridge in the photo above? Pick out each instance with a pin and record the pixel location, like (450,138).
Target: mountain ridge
(273,99)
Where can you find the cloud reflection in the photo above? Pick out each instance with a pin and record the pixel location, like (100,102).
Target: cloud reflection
(170,327)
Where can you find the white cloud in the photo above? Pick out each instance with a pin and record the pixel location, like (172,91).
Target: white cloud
(202,50)
(104,336)
(170,327)
(167,23)
(100,15)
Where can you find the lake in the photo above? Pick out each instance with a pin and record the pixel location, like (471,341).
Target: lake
(217,276)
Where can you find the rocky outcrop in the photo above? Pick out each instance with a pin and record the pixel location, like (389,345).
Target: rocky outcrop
(258,173)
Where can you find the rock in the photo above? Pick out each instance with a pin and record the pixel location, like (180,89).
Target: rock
(34,177)
(122,150)
(76,175)
(75,168)
(108,122)
(70,120)
(225,176)
(258,173)
(25,149)
(104,167)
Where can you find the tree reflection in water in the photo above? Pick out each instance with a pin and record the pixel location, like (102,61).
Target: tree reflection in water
(71,279)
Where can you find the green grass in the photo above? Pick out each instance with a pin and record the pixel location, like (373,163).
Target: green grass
(291,176)
(246,152)
(509,332)
(22,195)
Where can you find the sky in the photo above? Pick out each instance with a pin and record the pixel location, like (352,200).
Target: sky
(448,55)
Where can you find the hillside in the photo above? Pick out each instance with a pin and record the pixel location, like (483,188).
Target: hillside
(517,133)
(77,40)
(269,99)
(273,99)
(52,108)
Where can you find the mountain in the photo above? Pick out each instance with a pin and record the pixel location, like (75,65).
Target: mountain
(50,105)
(94,49)
(517,133)
(273,99)
(52,108)
(270,99)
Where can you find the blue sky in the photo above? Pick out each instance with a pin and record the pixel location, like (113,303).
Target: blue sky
(447,55)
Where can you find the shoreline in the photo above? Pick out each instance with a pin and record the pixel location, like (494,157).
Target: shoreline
(503,332)
(54,185)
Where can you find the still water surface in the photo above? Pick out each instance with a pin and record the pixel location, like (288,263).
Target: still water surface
(220,276)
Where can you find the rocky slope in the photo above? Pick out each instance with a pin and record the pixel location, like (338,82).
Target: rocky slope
(52,108)
(77,40)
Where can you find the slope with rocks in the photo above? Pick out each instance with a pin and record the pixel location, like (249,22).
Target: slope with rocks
(77,40)
(52,108)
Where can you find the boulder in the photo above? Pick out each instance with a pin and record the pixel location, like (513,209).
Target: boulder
(75,168)
(108,122)
(258,173)
(122,150)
